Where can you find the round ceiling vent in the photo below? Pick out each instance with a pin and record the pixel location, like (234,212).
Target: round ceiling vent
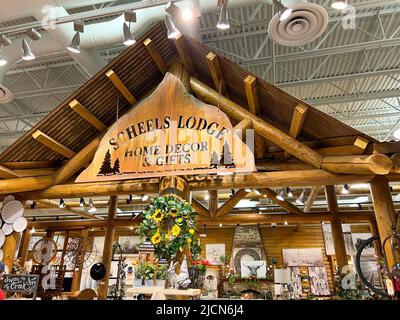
(306,23)
(6,95)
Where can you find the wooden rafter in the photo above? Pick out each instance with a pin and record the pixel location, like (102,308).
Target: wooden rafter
(262,127)
(311,198)
(231,203)
(52,144)
(87,115)
(216,73)
(155,55)
(286,205)
(299,115)
(117,82)
(6,173)
(213,202)
(360,145)
(183,54)
(200,209)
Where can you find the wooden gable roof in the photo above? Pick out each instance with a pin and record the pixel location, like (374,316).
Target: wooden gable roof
(139,73)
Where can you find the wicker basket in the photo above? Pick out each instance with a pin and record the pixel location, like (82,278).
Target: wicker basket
(197,278)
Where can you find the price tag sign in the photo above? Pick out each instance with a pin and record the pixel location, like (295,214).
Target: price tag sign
(26,283)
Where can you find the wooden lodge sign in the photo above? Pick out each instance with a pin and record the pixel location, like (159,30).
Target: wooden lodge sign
(169,133)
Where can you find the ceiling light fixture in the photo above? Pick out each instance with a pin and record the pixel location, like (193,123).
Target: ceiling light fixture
(32,230)
(3,61)
(223,21)
(207,197)
(129,200)
(34,34)
(346,189)
(145,197)
(82,202)
(74,45)
(302,198)
(339,4)
(129,39)
(4,40)
(257,192)
(92,208)
(282,195)
(289,193)
(396,134)
(27,54)
(284,12)
(62,204)
(220,225)
(131,228)
(172,31)
(247,190)
(172,9)
(187,14)
(285,223)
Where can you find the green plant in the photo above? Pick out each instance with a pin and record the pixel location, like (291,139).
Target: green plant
(161,272)
(267,295)
(224,259)
(170,225)
(139,271)
(231,279)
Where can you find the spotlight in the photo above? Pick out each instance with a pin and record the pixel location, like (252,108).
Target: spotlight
(187,14)
(285,223)
(302,198)
(4,40)
(207,197)
(346,189)
(92,229)
(3,61)
(119,210)
(220,225)
(82,202)
(247,190)
(129,200)
(273,224)
(34,34)
(129,39)
(339,4)
(32,230)
(171,8)
(62,204)
(33,205)
(282,195)
(145,197)
(131,228)
(223,21)
(26,51)
(74,45)
(289,193)
(257,192)
(173,32)
(284,12)
(92,208)
(130,16)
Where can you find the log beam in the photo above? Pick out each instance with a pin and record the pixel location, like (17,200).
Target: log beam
(311,198)
(200,209)
(376,163)
(262,127)
(250,85)
(286,205)
(336,228)
(155,55)
(216,73)
(6,173)
(117,82)
(87,115)
(360,145)
(180,46)
(298,118)
(53,144)
(231,203)
(213,202)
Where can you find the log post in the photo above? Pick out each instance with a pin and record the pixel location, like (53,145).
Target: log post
(373,227)
(9,249)
(336,227)
(108,244)
(23,255)
(384,212)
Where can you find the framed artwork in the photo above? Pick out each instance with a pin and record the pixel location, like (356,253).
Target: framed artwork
(99,243)
(129,244)
(358,238)
(256,268)
(244,254)
(348,239)
(306,257)
(295,276)
(319,281)
(214,252)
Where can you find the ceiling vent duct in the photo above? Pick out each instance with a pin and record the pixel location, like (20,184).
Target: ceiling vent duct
(307,22)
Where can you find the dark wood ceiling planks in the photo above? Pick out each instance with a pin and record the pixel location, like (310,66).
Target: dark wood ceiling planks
(139,73)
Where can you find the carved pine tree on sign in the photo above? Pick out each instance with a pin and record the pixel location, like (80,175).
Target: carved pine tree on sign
(214,160)
(106,165)
(226,156)
(116,166)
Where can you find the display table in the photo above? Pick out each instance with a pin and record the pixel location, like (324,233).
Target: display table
(158,293)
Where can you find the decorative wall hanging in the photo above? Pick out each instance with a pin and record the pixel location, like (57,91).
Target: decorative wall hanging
(348,239)
(80,251)
(44,251)
(97,271)
(254,268)
(214,252)
(308,257)
(244,254)
(319,281)
(169,133)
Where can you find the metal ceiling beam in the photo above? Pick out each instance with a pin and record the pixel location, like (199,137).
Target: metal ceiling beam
(25,117)
(354,97)
(11,135)
(47,92)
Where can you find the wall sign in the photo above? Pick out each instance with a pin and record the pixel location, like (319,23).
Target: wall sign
(21,283)
(169,133)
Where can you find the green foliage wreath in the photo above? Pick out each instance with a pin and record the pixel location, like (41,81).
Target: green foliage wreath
(169,223)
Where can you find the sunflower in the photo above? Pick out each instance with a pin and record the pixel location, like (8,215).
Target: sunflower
(173,213)
(156,238)
(176,230)
(189,240)
(158,215)
(179,220)
(166,237)
(191,231)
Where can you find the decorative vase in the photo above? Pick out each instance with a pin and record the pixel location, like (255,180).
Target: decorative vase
(160,283)
(137,282)
(197,278)
(148,283)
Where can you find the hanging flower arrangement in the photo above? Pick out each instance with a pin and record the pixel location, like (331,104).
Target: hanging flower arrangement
(169,224)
